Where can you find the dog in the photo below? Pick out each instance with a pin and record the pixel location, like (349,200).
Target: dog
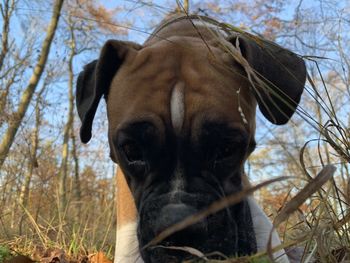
(181,123)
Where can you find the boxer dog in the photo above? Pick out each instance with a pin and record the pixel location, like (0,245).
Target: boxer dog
(181,113)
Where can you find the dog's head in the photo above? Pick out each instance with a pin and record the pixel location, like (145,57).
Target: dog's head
(181,116)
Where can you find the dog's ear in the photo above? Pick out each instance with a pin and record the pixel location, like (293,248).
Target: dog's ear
(282,74)
(94,81)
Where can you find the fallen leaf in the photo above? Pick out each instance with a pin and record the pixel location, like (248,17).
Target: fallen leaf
(54,256)
(19,259)
(99,257)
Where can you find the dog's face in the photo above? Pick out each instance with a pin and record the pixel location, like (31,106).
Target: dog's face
(181,125)
(181,143)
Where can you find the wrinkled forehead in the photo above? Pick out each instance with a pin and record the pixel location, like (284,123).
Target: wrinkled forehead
(183,82)
(182,53)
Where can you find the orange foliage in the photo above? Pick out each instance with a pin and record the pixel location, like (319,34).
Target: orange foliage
(97,12)
(274,200)
(99,257)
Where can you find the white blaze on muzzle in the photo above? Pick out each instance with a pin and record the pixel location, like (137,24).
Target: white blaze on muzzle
(177,114)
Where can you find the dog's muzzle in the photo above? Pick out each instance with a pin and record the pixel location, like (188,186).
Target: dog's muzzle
(229,232)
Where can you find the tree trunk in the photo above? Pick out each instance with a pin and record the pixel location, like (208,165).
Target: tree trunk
(77,188)
(32,162)
(3,98)
(27,95)
(6,13)
(62,177)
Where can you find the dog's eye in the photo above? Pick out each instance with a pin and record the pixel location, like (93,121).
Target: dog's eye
(133,152)
(225,152)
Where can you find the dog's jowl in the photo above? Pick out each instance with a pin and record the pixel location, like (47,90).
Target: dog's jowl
(181,113)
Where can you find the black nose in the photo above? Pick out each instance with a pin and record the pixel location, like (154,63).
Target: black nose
(175,213)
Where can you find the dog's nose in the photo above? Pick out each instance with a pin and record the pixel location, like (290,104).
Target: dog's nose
(175,213)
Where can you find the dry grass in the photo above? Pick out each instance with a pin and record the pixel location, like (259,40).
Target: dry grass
(78,235)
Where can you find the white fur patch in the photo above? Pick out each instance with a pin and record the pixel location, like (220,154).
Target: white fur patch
(177,107)
(178,184)
(127,245)
(262,227)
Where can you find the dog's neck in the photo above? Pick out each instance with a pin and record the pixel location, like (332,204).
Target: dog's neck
(127,247)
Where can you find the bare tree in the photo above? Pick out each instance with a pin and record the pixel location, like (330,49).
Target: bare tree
(77,187)
(6,12)
(11,131)
(62,176)
(32,154)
